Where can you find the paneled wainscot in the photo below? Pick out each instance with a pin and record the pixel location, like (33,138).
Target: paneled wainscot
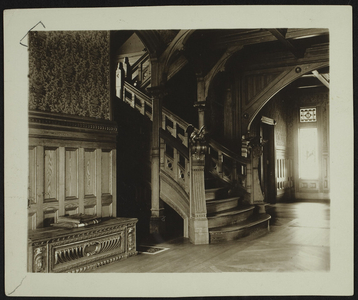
(72,167)
(72,170)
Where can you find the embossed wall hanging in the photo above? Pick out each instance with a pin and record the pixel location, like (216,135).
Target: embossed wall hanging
(69,72)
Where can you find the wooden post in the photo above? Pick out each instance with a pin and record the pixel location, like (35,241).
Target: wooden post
(198,223)
(200,103)
(128,71)
(157,211)
(119,80)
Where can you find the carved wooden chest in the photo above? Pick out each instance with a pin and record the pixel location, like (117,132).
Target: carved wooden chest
(55,250)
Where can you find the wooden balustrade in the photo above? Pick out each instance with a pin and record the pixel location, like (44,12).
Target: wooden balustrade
(139,72)
(224,163)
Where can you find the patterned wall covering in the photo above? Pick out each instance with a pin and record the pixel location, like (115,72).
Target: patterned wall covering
(69,72)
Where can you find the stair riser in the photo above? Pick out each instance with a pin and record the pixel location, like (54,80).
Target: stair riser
(219,194)
(212,208)
(256,230)
(229,220)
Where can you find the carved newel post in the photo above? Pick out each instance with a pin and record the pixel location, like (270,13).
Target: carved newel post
(198,224)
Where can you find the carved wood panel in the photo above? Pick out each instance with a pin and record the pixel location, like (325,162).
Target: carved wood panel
(71,173)
(90,172)
(71,207)
(50,215)
(106,172)
(90,209)
(32,176)
(50,175)
(106,210)
(31,221)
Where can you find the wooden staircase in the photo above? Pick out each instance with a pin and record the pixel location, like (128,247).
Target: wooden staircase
(229,218)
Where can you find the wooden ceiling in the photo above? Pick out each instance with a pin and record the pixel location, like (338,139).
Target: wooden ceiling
(257,47)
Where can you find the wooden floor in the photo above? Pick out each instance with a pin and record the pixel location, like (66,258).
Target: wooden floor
(298,241)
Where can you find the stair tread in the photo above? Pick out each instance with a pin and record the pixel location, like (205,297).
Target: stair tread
(216,201)
(231,211)
(215,189)
(257,219)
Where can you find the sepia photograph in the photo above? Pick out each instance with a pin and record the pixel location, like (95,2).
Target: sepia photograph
(211,157)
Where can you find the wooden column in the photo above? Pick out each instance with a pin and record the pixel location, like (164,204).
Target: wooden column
(198,223)
(200,104)
(157,210)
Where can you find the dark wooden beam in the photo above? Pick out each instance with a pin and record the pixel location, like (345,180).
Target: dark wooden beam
(288,45)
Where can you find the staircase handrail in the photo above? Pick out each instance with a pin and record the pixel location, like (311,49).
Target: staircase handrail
(227,152)
(148,101)
(139,61)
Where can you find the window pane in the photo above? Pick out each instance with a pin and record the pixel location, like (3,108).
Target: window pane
(308,160)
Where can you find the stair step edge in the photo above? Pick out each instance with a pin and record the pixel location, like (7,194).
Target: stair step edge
(241,225)
(215,189)
(215,201)
(232,211)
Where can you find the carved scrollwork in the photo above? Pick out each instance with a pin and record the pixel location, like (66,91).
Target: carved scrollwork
(91,248)
(130,238)
(39,259)
(255,146)
(198,143)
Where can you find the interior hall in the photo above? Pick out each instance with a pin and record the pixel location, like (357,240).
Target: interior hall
(179,150)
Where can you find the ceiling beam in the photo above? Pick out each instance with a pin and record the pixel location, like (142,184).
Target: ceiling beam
(288,45)
(321,78)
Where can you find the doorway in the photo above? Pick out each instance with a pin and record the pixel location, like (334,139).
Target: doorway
(267,163)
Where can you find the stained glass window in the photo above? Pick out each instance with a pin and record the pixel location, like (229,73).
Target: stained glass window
(308,114)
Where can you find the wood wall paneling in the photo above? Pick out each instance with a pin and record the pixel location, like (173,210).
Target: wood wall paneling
(32,176)
(107,210)
(106,172)
(50,175)
(50,215)
(72,179)
(90,172)
(39,185)
(98,183)
(61,179)
(31,225)
(67,174)
(113,186)
(81,179)
(71,207)
(90,210)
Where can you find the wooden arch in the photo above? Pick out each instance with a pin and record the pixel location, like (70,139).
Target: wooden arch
(176,45)
(219,67)
(289,75)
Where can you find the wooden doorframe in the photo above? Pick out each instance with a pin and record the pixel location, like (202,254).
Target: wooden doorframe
(268,160)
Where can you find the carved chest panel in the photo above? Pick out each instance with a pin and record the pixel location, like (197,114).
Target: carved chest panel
(55,250)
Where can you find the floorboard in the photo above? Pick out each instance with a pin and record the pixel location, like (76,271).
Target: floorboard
(298,241)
